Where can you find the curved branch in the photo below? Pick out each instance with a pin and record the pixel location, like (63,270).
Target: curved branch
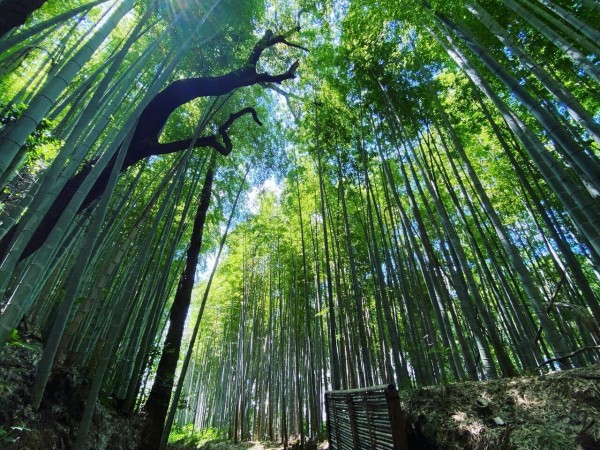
(153,148)
(560,359)
(234,116)
(294,45)
(269,39)
(223,129)
(179,92)
(153,118)
(205,141)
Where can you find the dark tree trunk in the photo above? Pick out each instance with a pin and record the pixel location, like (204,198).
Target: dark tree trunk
(153,118)
(160,396)
(14,13)
(138,150)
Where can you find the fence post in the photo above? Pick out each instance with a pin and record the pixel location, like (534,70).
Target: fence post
(397,420)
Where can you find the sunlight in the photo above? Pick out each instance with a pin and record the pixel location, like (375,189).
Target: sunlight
(214,213)
(253,198)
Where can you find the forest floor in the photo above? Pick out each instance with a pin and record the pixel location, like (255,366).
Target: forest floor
(54,425)
(559,410)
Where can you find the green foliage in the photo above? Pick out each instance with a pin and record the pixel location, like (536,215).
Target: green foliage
(8,437)
(187,435)
(15,337)
(16,340)
(39,150)
(5,436)
(41,145)
(382,123)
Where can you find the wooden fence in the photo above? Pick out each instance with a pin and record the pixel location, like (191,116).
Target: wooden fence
(364,419)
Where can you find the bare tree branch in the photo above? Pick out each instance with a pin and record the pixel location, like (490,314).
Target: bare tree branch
(145,140)
(570,355)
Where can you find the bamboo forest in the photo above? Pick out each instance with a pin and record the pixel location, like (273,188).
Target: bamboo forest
(221,218)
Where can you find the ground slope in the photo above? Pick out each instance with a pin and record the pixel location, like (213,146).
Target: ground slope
(560,410)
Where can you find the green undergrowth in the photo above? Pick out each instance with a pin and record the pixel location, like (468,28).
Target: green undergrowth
(188,436)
